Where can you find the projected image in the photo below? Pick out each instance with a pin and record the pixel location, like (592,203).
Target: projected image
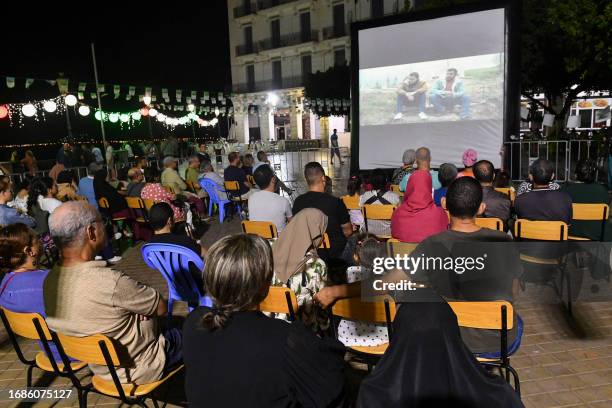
(457,89)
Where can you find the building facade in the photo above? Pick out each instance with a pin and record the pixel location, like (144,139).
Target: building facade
(274,45)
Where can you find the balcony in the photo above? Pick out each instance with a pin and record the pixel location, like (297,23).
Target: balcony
(288,40)
(246,49)
(336,32)
(269,85)
(265,4)
(244,10)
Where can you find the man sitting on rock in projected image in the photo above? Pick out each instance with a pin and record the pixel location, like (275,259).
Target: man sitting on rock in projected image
(447,93)
(412,91)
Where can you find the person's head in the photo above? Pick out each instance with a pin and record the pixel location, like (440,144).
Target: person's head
(233,158)
(135,175)
(237,275)
(6,193)
(43,186)
(29,154)
(447,173)
(23,185)
(484,172)
(315,176)
(541,172)
(335,131)
(202,147)
(413,78)
(367,249)
(161,217)
(329,185)
(262,156)
(423,158)
(65,176)
(451,74)
(141,162)
(469,158)
(93,168)
(248,159)
(586,171)
(19,247)
(378,179)
(502,179)
(409,157)
(265,178)
(77,230)
(464,198)
(194,162)
(170,162)
(354,185)
(67,147)
(206,166)
(152,174)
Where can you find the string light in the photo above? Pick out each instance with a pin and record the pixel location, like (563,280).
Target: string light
(153,112)
(84,110)
(71,100)
(50,106)
(28,110)
(3,111)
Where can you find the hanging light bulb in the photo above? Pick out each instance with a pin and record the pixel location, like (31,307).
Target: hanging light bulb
(136,115)
(113,117)
(161,117)
(124,117)
(70,100)
(216,111)
(3,111)
(145,111)
(191,107)
(28,110)
(84,110)
(153,112)
(146,100)
(50,106)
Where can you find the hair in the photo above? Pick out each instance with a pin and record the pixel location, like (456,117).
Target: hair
(409,156)
(586,171)
(313,171)
(378,179)
(205,164)
(463,197)
(453,69)
(66,224)
(193,158)
(248,159)
(423,154)
(168,159)
(40,186)
(354,185)
(502,179)
(159,214)
(133,173)
(367,249)
(29,153)
(14,239)
(414,74)
(447,173)
(66,176)
(237,275)
(152,174)
(484,171)
(24,184)
(542,171)
(5,185)
(260,155)
(263,176)
(92,169)
(233,156)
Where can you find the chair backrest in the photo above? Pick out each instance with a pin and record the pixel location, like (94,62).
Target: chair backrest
(396,189)
(103,203)
(510,192)
(194,187)
(264,229)
(372,312)
(250,179)
(396,247)
(590,212)
(280,300)
(137,207)
(483,315)
(378,211)
(148,203)
(89,349)
(211,189)
(540,230)
(351,202)
(491,223)
(231,186)
(173,263)
(22,324)
(325,242)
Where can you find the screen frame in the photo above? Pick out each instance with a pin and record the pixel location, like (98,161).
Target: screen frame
(511,8)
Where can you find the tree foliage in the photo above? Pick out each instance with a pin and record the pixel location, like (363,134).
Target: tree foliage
(335,83)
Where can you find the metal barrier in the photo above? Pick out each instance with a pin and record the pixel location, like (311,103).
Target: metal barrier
(564,154)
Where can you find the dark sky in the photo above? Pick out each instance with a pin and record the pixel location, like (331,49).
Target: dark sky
(173,44)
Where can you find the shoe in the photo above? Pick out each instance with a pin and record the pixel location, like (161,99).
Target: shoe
(398,115)
(118,236)
(98,258)
(128,234)
(422,115)
(113,260)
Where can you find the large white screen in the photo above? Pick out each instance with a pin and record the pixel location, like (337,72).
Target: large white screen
(437,83)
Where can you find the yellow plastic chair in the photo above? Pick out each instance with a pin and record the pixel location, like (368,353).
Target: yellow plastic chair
(103,203)
(590,212)
(280,300)
(510,192)
(264,229)
(395,188)
(351,202)
(382,212)
(491,223)
(138,209)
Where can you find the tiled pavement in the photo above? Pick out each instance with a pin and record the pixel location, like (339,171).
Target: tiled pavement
(562,362)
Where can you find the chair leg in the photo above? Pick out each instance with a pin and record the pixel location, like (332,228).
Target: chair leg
(83,400)
(29,375)
(221,212)
(569,295)
(155,404)
(515,377)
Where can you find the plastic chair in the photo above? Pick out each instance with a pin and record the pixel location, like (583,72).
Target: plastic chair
(173,263)
(212,189)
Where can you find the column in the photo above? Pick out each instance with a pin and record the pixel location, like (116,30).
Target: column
(324,131)
(295,121)
(266,124)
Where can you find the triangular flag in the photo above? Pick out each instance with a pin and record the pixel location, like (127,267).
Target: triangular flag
(116,90)
(194,94)
(82,86)
(93,95)
(29,82)
(10,82)
(101,87)
(81,95)
(179,95)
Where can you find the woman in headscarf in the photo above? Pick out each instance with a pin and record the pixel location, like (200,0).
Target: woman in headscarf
(469,158)
(418,217)
(118,207)
(427,365)
(297,265)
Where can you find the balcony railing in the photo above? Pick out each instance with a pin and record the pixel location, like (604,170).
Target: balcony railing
(289,40)
(245,9)
(264,4)
(269,85)
(246,49)
(335,32)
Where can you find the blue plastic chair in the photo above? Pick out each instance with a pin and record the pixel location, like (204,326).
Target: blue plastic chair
(173,263)
(212,190)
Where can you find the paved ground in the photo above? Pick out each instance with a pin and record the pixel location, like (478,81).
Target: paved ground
(562,362)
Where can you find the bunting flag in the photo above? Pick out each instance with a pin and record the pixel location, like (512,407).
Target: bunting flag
(179,95)
(28,82)
(81,95)
(165,94)
(117,90)
(194,95)
(62,84)
(101,88)
(10,82)
(82,86)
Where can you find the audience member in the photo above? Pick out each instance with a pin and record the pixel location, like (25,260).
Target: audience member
(262,158)
(202,153)
(502,180)
(469,158)
(170,177)
(9,215)
(247,164)
(339,226)
(586,190)
(29,162)
(20,198)
(136,182)
(43,191)
(63,156)
(56,169)
(423,160)
(66,186)
(353,189)
(265,204)
(208,173)
(418,217)
(117,206)
(497,204)
(543,202)
(446,175)
(233,172)
(408,159)
(380,196)
(98,155)
(86,187)
(153,190)
(281,364)
(83,297)
(192,174)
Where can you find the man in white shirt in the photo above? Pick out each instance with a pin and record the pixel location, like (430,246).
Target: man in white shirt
(266,205)
(209,173)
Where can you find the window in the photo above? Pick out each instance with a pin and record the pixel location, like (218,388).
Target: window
(248,39)
(275,33)
(306,65)
(339,57)
(250,75)
(586,116)
(277,78)
(338,13)
(377,8)
(305,27)
(246,4)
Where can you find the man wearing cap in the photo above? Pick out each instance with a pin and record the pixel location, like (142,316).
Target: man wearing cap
(408,159)
(170,177)
(86,188)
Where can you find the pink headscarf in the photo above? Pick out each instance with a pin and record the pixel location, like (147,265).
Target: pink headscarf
(418,217)
(469,157)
